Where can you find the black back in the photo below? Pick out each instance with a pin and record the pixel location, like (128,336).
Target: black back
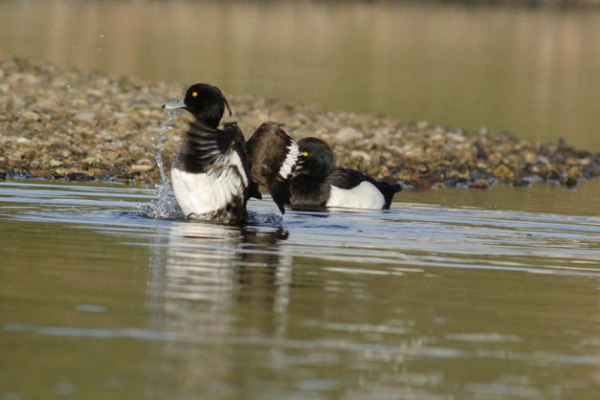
(268,149)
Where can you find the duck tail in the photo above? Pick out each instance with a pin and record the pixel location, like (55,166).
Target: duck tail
(388,190)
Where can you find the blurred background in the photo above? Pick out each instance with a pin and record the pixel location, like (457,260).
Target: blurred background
(531,68)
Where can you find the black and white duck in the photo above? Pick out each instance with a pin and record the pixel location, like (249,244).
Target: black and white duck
(211,173)
(318,183)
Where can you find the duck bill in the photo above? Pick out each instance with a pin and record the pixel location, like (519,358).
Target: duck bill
(173,105)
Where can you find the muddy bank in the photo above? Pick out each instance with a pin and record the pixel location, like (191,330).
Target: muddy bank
(58,123)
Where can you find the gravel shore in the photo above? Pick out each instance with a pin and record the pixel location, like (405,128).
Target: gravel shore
(58,123)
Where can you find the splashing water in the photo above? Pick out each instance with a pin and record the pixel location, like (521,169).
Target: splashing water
(165,127)
(264,219)
(165,205)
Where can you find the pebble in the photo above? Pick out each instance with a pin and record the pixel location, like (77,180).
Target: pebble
(358,153)
(479,184)
(348,133)
(30,116)
(82,126)
(85,116)
(141,168)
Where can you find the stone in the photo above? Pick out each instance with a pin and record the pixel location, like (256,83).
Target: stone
(85,116)
(141,168)
(348,133)
(503,173)
(30,116)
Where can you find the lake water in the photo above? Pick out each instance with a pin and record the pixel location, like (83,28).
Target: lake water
(533,72)
(451,294)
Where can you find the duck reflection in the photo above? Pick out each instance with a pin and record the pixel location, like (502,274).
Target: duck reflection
(208,268)
(211,284)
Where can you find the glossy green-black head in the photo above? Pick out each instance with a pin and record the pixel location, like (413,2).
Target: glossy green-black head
(316,158)
(205,101)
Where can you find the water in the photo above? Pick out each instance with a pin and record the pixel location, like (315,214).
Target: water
(529,71)
(451,294)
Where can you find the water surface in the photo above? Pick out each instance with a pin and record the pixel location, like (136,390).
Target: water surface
(533,72)
(450,294)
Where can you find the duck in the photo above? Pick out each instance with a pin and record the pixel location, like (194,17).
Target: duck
(317,183)
(210,174)
(273,157)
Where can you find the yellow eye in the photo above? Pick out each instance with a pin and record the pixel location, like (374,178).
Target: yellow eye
(195,94)
(305,154)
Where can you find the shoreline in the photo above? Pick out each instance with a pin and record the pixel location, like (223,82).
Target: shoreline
(77,125)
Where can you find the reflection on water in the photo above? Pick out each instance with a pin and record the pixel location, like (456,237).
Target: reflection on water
(517,69)
(200,278)
(422,301)
(214,264)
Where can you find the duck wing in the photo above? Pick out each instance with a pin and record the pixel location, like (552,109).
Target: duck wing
(273,157)
(205,150)
(238,142)
(203,147)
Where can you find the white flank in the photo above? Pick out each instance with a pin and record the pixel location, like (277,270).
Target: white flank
(365,195)
(290,161)
(205,193)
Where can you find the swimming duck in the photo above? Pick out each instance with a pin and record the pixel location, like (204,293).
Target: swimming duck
(273,157)
(317,183)
(210,173)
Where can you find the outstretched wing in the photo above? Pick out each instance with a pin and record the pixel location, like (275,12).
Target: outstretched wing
(238,142)
(273,156)
(221,155)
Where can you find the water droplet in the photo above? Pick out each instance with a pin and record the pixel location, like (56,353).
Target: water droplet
(19,112)
(93,308)
(102,36)
(52,31)
(164,205)
(99,49)
(72,47)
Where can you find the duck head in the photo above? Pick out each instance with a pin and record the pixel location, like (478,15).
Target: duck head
(206,102)
(316,158)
